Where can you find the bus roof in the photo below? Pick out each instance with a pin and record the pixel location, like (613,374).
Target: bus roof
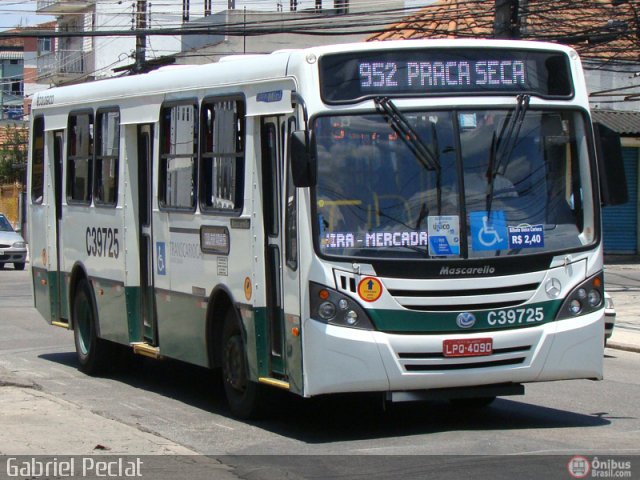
(259,68)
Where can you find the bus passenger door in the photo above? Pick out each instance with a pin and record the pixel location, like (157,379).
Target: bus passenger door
(148,314)
(58,303)
(281,282)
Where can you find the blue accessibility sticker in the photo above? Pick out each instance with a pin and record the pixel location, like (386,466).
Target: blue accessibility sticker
(489,230)
(161,259)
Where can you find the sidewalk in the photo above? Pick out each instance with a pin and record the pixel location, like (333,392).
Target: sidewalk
(37,423)
(39,427)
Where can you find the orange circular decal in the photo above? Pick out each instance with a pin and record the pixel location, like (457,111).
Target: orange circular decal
(247,288)
(369,289)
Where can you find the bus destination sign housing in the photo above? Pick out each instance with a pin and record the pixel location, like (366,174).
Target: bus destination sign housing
(354,76)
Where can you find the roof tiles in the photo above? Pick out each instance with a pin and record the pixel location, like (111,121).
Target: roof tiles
(596,28)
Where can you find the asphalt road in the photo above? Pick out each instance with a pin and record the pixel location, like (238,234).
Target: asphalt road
(185,404)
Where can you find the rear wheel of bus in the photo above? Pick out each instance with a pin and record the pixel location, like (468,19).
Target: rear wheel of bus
(243,395)
(93,353)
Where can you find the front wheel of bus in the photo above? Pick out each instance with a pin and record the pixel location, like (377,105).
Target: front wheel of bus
(91,350)
(242,394)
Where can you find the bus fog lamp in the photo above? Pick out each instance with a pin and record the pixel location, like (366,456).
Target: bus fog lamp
(327,310)
(594,298)
(351,317)
(575,306)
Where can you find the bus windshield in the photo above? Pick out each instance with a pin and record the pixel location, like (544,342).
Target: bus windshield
(470,183)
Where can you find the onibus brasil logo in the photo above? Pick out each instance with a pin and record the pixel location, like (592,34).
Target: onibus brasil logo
(582,467)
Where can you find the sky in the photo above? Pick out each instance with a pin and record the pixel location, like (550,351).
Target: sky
(19,12)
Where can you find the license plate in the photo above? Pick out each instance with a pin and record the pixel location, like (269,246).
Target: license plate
(467,347)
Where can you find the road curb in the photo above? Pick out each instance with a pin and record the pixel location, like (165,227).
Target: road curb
(623,346)
(9,379)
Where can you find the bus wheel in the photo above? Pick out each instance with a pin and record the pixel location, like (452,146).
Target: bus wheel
(92,352)
(242,394)
(18,265)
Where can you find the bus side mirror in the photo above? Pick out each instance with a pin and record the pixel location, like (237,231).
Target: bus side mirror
(303,162)
(613,181)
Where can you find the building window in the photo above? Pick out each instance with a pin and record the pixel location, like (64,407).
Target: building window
(44,45)
(79,158)
(17,88)
(222,175)
(178,151)
(107,157)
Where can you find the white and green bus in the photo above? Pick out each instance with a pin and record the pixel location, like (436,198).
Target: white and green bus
(416,218)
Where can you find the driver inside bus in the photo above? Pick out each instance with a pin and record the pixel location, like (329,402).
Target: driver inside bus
(345,199)
(480,131)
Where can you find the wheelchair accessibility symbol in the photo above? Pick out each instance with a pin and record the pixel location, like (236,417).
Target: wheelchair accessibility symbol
(489,231)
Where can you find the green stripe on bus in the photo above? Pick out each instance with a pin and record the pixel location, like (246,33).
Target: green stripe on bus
(262,341)
(523,316)
(133,313)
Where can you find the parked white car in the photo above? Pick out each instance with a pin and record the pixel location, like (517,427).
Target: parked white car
(609,317)
(13,248)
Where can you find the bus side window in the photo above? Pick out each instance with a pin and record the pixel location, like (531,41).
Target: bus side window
(37,169)
(290,220)
(107,157)
(178,153)
(80,158)
(222,153)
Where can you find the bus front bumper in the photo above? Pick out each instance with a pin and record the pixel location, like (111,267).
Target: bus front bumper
(339,359)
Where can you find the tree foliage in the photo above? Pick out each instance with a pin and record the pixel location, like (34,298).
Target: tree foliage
(13,154)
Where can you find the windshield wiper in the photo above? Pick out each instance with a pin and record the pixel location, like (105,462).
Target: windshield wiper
(401,125)
(403,128)
(504,144)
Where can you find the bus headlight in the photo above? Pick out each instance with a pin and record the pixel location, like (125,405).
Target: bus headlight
(595,298)
(585,298)
(327,310)
(335,308)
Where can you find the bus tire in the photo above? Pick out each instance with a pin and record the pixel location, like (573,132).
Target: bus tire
(92,352)
(242,394)
(18,265)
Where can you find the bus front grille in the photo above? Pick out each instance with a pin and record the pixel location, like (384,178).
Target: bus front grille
(464,299)
(436,361)
(463,366)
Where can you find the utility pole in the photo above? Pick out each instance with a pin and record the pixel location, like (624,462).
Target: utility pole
(505,24)
(141,38)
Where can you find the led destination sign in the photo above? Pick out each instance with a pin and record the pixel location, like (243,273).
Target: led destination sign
(480,74)
(354,76)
